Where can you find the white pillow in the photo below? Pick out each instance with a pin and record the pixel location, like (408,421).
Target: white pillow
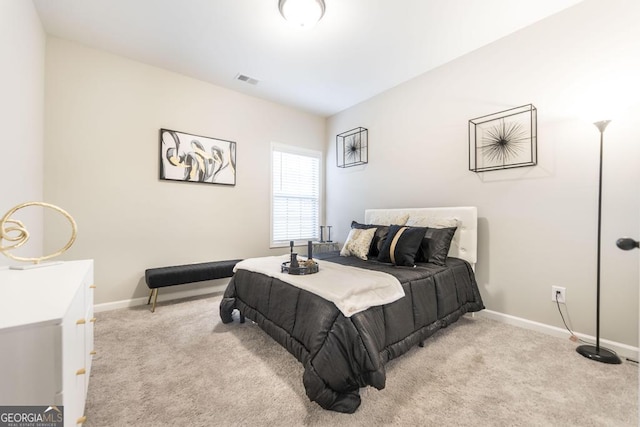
(388,218)
(433,222)
(358,242)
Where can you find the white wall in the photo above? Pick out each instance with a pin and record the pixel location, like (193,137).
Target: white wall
(538,224)
(22,46)
(103,115)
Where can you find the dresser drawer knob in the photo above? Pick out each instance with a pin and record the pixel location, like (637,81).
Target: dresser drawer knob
(93,352)
(81,371)
(82,420)
(93,320)
(81,322)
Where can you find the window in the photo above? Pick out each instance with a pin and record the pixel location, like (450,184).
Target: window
(295,194)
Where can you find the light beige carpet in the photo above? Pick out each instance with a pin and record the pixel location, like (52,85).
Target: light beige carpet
(180,366)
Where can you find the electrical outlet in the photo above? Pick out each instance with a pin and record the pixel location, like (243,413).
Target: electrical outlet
(558,293)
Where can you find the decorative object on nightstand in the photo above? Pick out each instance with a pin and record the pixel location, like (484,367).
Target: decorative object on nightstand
(13,230)
(504,140)
(328,227)
(597,353)
(352,147)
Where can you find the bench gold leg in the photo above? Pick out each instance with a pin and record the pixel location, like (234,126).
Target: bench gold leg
(150,295)
(155,299)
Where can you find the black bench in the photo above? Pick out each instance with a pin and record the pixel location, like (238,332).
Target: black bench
(189,273)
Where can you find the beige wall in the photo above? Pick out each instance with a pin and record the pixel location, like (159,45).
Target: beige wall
(537,224)
(22,46)
(103,115)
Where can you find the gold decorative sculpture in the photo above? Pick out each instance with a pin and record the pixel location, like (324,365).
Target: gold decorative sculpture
(12,230)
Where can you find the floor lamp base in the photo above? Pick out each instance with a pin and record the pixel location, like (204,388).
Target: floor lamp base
(599,355)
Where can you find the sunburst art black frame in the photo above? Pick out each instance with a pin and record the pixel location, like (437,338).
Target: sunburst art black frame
(504,140)
(352,147)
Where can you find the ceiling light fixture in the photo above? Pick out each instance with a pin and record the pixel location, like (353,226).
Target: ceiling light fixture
(302,13)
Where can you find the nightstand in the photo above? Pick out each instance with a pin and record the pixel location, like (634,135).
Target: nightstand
(322,247)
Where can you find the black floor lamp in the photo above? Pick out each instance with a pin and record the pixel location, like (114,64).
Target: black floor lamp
(596,352)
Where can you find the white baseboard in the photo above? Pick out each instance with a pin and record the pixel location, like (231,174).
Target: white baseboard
(162,296)
(623,350)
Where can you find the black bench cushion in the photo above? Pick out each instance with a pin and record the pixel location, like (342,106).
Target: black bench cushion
(179,274)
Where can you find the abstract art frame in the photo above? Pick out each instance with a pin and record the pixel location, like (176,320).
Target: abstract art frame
(352,147)
(504,140)
(194,158)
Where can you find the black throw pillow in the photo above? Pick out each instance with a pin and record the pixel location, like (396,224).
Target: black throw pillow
(435,245)
(401,245)
(378,237)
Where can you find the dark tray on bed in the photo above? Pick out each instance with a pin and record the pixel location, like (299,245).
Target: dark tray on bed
(300,270)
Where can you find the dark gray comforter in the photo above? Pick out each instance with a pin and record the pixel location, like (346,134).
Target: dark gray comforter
(341,354)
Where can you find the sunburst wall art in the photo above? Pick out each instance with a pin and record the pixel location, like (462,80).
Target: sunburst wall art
(504,140)
(352,147)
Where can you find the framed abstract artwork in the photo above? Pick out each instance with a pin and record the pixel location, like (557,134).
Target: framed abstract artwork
(504,140)
(352,147)
(194,158)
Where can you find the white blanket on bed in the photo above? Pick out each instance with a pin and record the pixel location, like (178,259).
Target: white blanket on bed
(351,289)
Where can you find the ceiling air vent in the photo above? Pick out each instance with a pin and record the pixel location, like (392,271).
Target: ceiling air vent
(247,79)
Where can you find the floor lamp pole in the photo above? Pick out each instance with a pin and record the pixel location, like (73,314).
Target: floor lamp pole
(596,352)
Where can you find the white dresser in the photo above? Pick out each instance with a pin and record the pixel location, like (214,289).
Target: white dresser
(46,337)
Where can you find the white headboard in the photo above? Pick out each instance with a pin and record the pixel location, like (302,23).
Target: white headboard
(465,242)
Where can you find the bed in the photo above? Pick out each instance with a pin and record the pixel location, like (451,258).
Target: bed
(343,350)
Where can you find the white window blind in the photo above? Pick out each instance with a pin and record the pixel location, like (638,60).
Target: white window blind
(295,204)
